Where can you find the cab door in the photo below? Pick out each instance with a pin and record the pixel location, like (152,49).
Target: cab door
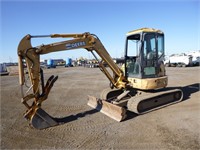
(153,51)
(149,56)
(132,56)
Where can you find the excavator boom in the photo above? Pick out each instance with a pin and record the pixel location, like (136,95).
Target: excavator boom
(31,56)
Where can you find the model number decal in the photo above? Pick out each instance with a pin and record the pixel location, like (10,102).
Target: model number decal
(74,45)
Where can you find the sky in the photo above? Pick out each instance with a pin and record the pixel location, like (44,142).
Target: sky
(109,20)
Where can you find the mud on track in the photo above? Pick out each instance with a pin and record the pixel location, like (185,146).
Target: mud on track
(173,127)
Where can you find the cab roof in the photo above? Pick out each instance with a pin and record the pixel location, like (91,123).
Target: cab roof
(138,31)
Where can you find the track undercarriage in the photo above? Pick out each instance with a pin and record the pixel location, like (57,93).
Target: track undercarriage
(139,102)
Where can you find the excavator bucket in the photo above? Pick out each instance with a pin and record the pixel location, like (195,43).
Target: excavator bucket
(42,120)
(113,111)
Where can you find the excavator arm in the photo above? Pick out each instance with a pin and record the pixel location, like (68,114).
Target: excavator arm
(31,57)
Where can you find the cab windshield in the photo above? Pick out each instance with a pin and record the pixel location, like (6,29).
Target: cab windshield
(153,45)
(153,50)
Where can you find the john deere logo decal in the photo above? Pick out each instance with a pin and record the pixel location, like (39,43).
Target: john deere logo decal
(74,45)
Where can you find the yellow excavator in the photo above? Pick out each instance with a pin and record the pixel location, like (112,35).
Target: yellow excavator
(139,86)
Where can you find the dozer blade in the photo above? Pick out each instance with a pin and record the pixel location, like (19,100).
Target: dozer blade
(113,111)
(42,120)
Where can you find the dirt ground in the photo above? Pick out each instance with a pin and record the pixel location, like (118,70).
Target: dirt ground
(174,127)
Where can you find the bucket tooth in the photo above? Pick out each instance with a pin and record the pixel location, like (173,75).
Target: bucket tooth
(42,120)
(113,111)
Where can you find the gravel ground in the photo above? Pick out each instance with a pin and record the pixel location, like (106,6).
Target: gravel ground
(174,127)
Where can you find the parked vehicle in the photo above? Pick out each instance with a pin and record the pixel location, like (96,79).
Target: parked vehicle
(3,70)
(50,64)
(195,57)
(68,62)
(135,89)
(180,60)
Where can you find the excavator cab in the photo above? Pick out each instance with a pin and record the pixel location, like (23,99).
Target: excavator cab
(144,55)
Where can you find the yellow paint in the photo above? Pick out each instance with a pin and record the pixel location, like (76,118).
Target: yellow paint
(149,83)
(138,31)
